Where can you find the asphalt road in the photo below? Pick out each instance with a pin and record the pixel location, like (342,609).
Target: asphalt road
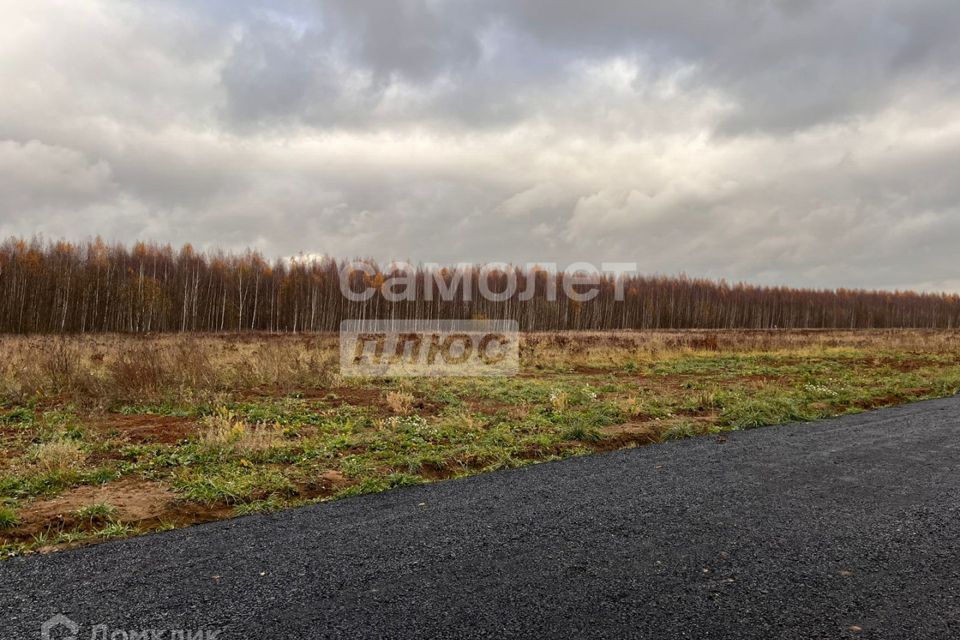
(844,528)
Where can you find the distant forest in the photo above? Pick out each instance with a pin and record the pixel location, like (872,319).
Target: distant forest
(61,287)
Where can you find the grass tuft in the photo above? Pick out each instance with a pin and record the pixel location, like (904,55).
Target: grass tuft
(8,518)
(57,456)
(400,402)
(93,513)
(225,431)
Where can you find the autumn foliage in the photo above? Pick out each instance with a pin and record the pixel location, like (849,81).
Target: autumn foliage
(61,287)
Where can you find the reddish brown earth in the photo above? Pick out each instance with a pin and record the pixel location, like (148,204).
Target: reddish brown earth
(146,429)
(136,500)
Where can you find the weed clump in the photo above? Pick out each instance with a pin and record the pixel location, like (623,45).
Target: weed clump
(400,402)
(8,518)
(96,513)
(225,431)
(559,400)
(57,456)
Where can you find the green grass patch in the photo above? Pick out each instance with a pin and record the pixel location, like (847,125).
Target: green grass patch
(99,512)
(8,518)
(233,484)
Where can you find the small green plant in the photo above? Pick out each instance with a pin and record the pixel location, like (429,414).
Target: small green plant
(116,530)
(585,426)
(271,504)
(235,485)
(8,518)
(762,411)
(12,550)
(100,512)
(581,432)
(19,416)
(71,537)
(686,429)
(649,408)
(376,484)
(42,539)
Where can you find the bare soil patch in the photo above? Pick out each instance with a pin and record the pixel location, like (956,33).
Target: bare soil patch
(326,484)
(147,429)
(135,500)
(631,432)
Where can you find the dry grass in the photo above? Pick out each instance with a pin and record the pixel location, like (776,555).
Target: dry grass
(616,348)
(558,400)
(224,430)
(106,368)
(400,402)
(99,369)
(103,369)
(57,455)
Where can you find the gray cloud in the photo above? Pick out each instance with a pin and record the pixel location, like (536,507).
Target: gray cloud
(810,143)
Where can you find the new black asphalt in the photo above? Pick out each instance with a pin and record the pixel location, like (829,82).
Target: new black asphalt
(843,528)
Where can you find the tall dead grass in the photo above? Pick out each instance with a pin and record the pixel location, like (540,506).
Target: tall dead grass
(57,455)
(224,430)
(108,368)
(742,340)
(621,347)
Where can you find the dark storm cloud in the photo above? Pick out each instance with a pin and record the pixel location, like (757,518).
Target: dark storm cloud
(787,65)
(782,141)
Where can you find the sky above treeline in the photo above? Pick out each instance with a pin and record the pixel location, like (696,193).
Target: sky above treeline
(808,143)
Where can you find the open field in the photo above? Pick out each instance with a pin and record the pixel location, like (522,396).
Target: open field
(109,436)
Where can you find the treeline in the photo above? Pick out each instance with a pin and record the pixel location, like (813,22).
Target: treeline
(61,287)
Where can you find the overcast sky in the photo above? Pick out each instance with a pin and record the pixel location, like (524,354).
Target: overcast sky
(810,142)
